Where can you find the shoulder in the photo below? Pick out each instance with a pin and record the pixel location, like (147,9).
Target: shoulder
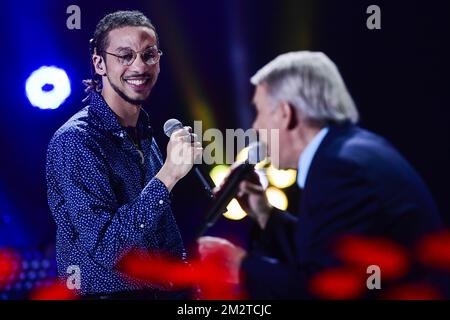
(368,159)
(81,128)
(76,136)
(360,148)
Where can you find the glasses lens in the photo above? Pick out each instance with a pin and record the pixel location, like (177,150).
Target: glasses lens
(151,56)
(127,58)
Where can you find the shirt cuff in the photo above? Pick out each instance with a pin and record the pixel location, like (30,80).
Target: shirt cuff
(155,201)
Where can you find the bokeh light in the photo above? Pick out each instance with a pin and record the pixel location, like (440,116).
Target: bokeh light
(10,267)
(218,173)
(234,210)
(48,87)
(434,250)
(277,198)
(361,252)
(281,178)
(242,155)
(337,284)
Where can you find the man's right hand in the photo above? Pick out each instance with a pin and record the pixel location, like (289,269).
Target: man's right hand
(181,156)
(253,200)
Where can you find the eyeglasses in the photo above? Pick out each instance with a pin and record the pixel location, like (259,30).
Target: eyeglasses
(149,56)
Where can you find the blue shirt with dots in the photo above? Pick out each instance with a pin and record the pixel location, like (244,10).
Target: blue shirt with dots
(105,199)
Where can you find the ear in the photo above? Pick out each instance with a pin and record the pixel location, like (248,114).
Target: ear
(288,115)
(99,64)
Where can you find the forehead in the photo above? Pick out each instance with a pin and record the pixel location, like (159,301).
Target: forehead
(135,38)
(261,93)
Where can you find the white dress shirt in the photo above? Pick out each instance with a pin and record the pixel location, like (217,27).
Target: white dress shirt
(304,162)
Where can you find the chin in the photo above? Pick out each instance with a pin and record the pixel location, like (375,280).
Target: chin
(275,163)
(280,165)
(140,98)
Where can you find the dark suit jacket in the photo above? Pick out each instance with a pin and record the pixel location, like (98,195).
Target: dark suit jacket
(357,184)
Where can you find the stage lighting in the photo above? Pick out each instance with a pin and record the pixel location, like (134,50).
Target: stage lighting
(277,198)
(234,211)
(47,87)
(218,173)
(243,155)
(34,268)
(281,178)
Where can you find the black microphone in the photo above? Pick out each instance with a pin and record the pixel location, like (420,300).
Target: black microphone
(256,153)
(169,127)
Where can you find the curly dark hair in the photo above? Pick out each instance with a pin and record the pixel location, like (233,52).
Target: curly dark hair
(100,41)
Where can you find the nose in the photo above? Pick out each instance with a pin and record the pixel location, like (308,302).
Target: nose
(138,62)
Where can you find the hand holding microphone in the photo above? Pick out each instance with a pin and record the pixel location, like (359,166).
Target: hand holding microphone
(239,183)
(243,183)
(173,125)
(253,200)
(250,192)
(182,152)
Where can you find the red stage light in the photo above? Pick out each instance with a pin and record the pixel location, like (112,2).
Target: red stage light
(412,291)
(362,252)
(434,250)
(338,284)
(209,276)
(10,267)
(56,290)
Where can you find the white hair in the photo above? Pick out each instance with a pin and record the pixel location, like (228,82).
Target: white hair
(311,82)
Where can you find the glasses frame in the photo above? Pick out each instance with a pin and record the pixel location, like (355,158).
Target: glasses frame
(135,54)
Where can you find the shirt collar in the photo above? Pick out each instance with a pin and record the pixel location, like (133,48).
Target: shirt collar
(109,121)
(304,162)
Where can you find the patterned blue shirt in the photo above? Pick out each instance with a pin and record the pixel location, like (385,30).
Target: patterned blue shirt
(104,198)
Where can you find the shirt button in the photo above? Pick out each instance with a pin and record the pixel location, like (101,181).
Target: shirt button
(142,225)
(161,202)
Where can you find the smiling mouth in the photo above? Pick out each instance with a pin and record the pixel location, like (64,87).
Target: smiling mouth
(138,83)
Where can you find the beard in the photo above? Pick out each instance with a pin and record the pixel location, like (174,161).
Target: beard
(136,102)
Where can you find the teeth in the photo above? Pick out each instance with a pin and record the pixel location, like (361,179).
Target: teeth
(136,82)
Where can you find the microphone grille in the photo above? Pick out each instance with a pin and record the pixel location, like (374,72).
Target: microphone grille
(171,125)
(257,152)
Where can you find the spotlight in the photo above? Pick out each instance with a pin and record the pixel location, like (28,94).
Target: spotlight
(281,178)
(218,173)
(234,211)
(33,268)
(242,155)
(47,87)
(277,198)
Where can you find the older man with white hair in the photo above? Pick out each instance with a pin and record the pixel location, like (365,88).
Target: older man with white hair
(353,181)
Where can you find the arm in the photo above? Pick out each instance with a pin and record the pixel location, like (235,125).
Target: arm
(345,202)
(104,229)
(277,238)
